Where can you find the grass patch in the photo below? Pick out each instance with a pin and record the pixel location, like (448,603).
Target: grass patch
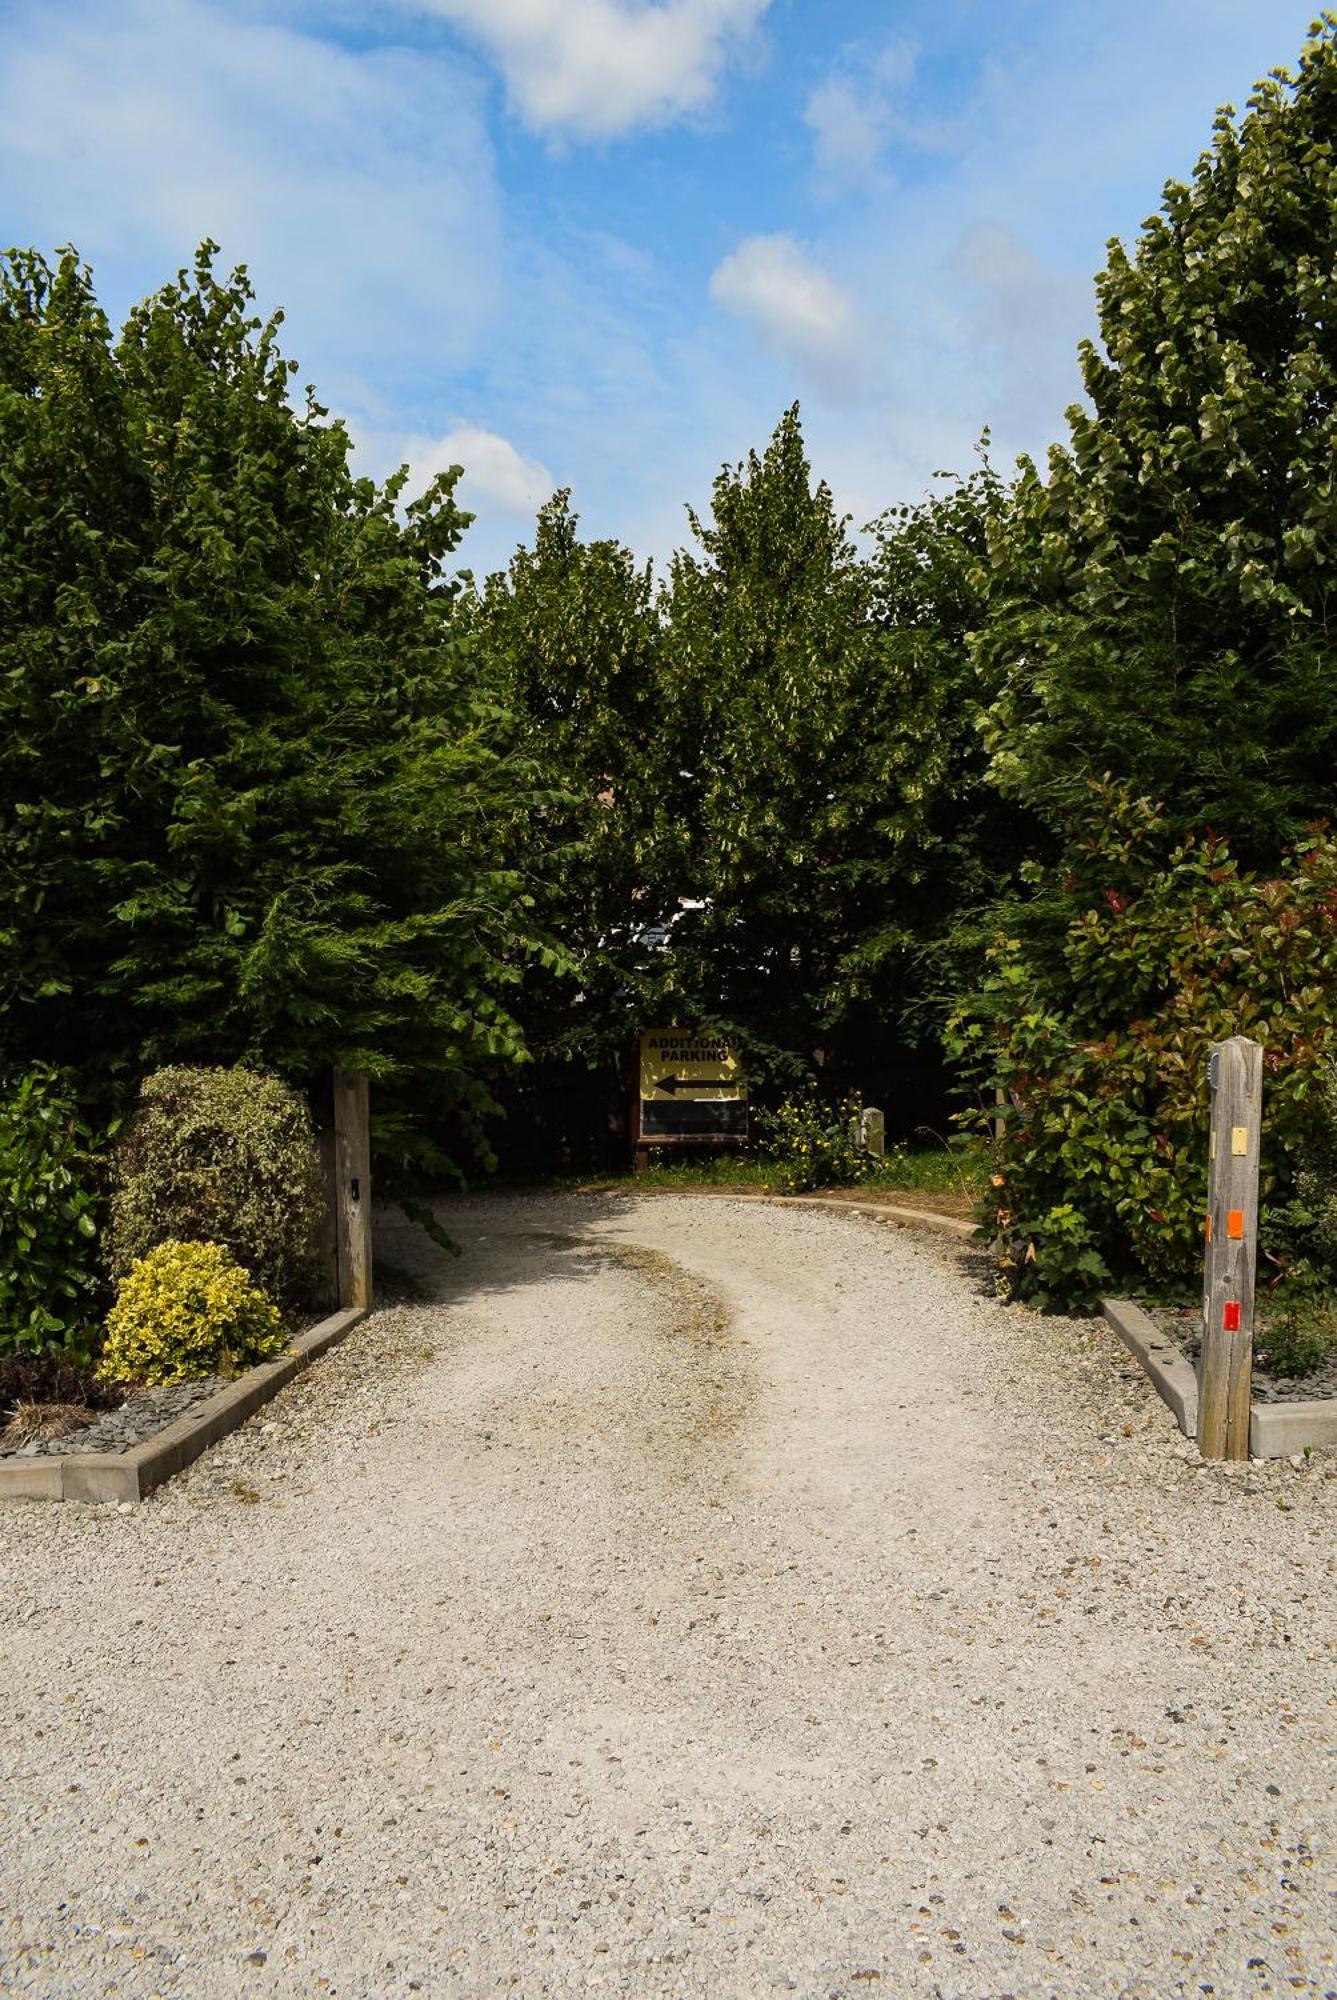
(32,1423)
(713,1170)
(958,1168)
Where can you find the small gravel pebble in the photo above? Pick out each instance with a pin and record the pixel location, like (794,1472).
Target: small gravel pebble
(684,1598)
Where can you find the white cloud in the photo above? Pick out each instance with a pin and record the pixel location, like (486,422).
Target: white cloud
(358,185)
(853,112)
(1022,313)
(866,107)
(599,68)
(794,306)
(495,472)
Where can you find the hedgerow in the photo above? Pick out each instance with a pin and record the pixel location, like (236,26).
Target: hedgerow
(1100,1034)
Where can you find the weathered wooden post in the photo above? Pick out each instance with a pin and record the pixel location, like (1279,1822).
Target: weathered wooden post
(1225,1372)
(352,1187)
(329,1223)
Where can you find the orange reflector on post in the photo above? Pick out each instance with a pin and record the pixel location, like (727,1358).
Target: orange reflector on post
(1235,1224)
(1209,1229)
(1230,1316)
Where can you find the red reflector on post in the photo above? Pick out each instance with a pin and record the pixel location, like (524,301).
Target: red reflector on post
(1230,1316)
(1235,1224)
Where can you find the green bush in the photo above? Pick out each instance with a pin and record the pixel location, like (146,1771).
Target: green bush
(1296,1328)
(48,1218)
(1317,1180)
(1099,1028)
(224,1156)
(184,1311)
(813,1145)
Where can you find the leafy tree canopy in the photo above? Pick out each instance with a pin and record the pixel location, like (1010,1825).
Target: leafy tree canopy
(249,794)
(826,707)
(571,637)
(954,846)
(1165,596)
(766,621)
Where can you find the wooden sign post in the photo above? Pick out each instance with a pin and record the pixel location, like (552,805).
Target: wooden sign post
(352,1187)
(1225,1372)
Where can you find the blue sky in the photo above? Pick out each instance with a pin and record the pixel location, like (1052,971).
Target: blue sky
(603,243)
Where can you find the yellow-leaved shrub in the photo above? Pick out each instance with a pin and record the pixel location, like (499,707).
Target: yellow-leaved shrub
(187,1310)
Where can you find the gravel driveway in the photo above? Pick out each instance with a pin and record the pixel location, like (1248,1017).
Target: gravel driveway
(690,1597)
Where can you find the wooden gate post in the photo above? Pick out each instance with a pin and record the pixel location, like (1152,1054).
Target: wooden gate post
(352,1187)
(1225,1373)
(329,1223)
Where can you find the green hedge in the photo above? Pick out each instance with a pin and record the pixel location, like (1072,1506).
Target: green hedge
(1099,1028)
(221,1156)
(49,1274)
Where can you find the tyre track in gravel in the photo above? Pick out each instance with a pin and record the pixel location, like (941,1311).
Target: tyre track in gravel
(686,1598)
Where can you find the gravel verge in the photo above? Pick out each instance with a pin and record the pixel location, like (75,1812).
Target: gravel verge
(685,1598)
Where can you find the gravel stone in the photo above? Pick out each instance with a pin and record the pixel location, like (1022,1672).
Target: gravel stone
(684,1598)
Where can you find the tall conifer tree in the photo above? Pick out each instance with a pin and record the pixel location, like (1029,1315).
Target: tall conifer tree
(249,789)
(571,637)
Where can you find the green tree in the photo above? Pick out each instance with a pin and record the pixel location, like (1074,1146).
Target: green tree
(570,635)
(249,787)
(954,846)
(767,622)
(826,711)
(1165,595)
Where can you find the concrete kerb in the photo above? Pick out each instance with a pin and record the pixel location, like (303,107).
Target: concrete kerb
(1171,1375)
(1276,1430)
(130,1475)
(882,1211)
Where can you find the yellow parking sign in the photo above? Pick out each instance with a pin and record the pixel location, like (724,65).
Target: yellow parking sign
(678,1063)
(691,1087)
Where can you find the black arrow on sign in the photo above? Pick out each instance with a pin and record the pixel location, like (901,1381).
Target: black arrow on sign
(673,1084)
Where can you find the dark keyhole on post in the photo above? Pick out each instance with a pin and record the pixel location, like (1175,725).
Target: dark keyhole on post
(353,1185)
